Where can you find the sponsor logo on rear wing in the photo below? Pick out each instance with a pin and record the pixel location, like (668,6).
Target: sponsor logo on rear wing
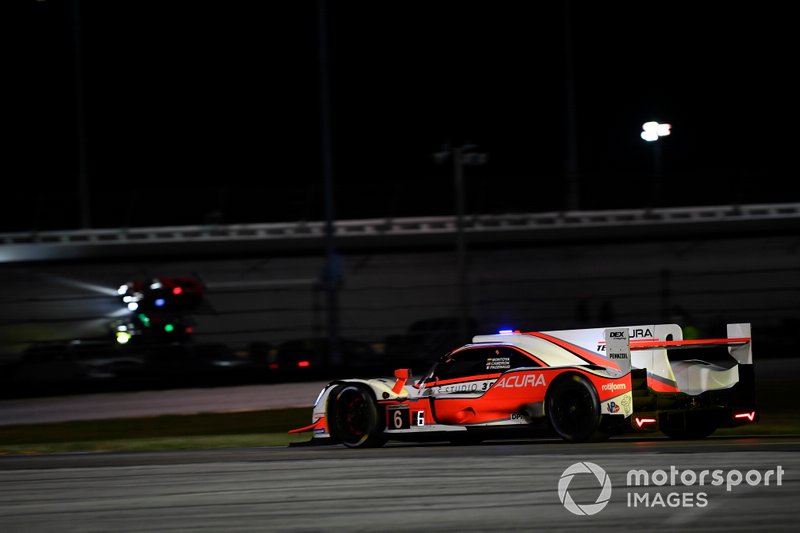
(618,347)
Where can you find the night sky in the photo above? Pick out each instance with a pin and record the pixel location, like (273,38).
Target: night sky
(208,112)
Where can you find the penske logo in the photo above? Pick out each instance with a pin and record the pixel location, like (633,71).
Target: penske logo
(614,386)
(520,380)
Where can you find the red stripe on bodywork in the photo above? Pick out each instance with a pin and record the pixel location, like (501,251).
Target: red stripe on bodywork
(659,384)
(319,423)
(646,345)
(583,353)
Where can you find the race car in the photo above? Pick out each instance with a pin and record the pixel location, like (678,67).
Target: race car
(578,384)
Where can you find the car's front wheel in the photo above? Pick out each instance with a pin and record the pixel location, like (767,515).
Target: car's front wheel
(573,409)
(356,421)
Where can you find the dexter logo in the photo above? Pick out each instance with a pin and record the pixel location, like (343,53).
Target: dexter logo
(520,380)
(616,334)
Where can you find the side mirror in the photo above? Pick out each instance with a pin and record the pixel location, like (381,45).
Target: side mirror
(402,373)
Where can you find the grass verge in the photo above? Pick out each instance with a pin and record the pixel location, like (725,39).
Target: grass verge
(168,432)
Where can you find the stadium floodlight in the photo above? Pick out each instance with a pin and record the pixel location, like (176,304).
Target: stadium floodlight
(652,131)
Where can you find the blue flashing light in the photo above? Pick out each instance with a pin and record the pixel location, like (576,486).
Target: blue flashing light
(159,302)
(506,331)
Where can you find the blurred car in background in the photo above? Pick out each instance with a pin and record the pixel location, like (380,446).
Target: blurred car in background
(168,294)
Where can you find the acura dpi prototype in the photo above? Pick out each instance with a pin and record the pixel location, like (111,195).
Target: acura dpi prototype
(579,384)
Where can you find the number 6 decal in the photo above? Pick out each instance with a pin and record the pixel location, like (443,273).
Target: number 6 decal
(420,418)
(397,418)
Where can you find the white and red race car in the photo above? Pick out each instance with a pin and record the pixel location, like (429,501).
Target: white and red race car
(580,384)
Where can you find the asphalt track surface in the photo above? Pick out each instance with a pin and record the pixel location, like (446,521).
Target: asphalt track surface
(494,486)
(511,486)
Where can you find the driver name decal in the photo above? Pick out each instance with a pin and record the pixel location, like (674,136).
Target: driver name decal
(521,380)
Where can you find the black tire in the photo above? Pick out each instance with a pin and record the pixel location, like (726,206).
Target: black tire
(695,429)
(573,409)
(355,418)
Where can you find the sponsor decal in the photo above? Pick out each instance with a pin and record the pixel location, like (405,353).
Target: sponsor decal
(498,363)
(619,405)
(626,402)
(521,380)
(637,333)
(614,386)
(457,387)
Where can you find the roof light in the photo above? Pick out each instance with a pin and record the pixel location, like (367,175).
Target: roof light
(506,331)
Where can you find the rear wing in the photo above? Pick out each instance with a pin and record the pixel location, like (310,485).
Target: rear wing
(619,346)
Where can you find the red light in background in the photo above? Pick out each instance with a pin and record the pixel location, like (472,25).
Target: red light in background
(273,366)
(177,290)
(304,364)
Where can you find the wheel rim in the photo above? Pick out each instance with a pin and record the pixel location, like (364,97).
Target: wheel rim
(354,416)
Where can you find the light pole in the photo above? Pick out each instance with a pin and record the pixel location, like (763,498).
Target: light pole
(332,271)
(651,132)
(461,156)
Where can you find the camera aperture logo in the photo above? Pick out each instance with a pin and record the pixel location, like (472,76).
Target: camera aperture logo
(584,468)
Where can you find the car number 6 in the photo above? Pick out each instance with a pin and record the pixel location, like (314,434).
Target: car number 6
(397,419)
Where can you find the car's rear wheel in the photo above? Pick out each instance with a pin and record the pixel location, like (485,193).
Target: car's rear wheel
(573,409)
(356,421)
